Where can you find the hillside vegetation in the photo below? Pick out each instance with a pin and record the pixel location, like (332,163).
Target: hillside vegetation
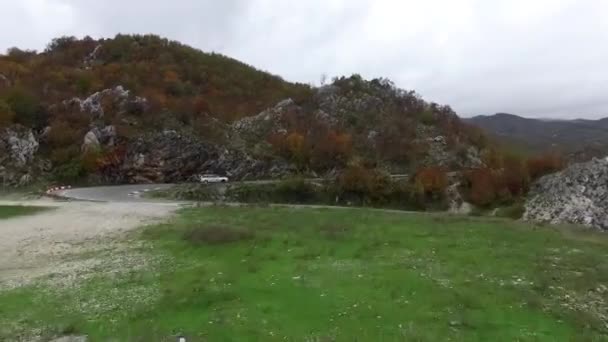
(143,109)
(123,87)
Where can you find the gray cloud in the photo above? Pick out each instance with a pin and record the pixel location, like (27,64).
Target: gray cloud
(537,58)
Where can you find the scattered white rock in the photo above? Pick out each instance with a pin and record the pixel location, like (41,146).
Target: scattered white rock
(90,142)
(577,195)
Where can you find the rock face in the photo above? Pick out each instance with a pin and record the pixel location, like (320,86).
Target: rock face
(19,143)
(576,195)
(18,163)
(167,157)
(456,203)
(98,137)
(119,96)
(91,58)
(259,126)
(90,143)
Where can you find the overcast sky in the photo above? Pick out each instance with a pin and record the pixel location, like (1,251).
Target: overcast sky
(541,58)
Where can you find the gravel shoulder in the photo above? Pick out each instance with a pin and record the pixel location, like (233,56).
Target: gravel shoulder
(50,242)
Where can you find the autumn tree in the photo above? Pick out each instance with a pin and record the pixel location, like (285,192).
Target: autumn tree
(331,149)
(433,181)
(297,149)
(357,179)
(544,165)
(482,186)
(515,176)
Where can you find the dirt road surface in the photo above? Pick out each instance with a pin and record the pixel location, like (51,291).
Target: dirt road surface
(49,243)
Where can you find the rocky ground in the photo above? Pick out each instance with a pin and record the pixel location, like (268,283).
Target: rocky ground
(577,195)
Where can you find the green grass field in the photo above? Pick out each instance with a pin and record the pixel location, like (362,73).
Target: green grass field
(7,211)
(269,274)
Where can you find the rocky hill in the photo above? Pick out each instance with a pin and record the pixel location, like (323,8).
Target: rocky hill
(144,109)
(579,139)
(578,195)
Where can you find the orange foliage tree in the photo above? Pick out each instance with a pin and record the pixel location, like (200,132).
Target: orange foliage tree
(357,179)
(432,181)
(482,186)
(331,149)
(544,165)
(315,151)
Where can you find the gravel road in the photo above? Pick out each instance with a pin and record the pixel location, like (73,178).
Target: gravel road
(49,242)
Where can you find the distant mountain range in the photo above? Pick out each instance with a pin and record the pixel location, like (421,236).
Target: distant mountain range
(580,138)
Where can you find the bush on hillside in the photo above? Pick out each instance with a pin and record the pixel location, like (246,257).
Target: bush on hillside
(26,108)
(69,172)
(481,185)
(363,186)
(515,211)
(431,182)
(6,114)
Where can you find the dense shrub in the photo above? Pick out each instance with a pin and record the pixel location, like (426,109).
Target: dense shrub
(428,118)
(431,182)
(359,180)
(69,172)
(319,148)
(358,185)
(373,189)
(486,186)
(513,177)
(482,186)
(91,160)
(297,190)
(294,190)
(514,211)
(6,114)
(26,108)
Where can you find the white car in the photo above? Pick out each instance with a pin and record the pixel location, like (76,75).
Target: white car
(212,179)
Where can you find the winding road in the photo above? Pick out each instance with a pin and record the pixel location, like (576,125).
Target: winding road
(134,193)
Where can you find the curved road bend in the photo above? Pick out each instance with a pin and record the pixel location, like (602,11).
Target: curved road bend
(133,194)
(119,193)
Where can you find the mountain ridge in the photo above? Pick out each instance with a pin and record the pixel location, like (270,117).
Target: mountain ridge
(579,138)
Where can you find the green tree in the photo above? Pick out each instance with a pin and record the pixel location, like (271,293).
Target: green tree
(26,107)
